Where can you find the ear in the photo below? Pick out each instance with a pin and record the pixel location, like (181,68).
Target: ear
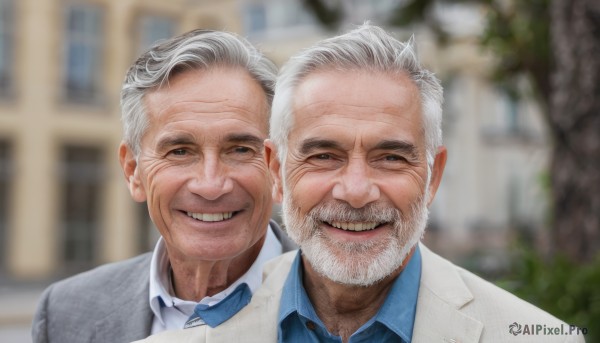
(436,172)
(275,169)
(131,172)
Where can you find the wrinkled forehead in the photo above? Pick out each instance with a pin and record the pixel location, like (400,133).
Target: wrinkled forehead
(355,100)
(219,90)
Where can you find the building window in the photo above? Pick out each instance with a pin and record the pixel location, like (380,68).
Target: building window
(5,182)
(83,57)
(256,17)
(508,119)
(6,46)
(281,17)
(152,28)
(82,176)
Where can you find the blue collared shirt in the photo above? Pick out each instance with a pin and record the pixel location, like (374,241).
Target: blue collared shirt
(171,313)
(298,321)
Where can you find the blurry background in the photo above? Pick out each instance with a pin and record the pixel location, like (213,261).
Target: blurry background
(517,150)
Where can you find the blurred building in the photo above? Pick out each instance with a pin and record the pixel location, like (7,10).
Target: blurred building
(64,206)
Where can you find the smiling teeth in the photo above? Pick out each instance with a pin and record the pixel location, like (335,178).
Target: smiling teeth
(355,226)
(211,217)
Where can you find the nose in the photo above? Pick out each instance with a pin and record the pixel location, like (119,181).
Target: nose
(355,186)
(212,179)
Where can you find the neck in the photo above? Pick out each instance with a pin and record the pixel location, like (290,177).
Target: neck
(196,279)
(345,308)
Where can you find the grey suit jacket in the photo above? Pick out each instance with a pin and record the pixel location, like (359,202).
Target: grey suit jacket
(106,304)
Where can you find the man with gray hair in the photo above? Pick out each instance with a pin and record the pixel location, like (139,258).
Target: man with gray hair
(195,112)
(357,157)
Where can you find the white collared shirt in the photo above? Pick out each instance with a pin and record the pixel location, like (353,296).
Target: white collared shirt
(174,312)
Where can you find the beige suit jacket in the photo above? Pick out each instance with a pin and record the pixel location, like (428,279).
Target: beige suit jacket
(454,305)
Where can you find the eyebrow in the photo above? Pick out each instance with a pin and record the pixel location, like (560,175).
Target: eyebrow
(311,144)
(403,147)
(170,141)
(244,138)
(175,140)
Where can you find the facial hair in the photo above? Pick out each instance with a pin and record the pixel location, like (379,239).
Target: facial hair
(355,263)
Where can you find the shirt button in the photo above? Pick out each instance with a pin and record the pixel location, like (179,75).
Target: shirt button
(310,325)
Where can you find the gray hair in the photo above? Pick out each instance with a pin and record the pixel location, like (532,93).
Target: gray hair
(197,49)
(364,48)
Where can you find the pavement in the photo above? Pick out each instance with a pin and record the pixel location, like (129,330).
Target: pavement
(17,306)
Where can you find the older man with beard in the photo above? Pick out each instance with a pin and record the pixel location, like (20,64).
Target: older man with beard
(356,153)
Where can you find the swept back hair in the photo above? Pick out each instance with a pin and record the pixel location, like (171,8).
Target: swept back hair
(197,49)
(367,48)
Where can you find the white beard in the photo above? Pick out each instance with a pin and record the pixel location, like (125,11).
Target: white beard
(359,263)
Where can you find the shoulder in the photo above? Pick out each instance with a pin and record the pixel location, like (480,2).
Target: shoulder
(505,315)
(492,301)
(79,301)
(105,277)
(480,300)
(98,286)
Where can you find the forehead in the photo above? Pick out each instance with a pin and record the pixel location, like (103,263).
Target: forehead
(217,94)
(327,102)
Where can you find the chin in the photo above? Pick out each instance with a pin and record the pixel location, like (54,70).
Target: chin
(355,265)
(360,263)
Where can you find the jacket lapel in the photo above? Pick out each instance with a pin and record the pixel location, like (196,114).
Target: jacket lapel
(257,322)
(131,318)
(442,294)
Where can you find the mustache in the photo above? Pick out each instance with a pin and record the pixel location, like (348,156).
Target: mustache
(342,212)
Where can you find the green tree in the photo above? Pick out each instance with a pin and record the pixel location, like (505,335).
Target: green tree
(555,44)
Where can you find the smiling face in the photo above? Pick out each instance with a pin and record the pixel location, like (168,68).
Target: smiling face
(201,167)
(355,182)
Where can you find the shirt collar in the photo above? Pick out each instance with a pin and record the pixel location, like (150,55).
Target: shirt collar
(294,297)
(399,309)
(160,282)
(397,312)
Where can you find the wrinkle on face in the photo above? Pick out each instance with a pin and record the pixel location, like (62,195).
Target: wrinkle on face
(207,127)
(361,127)
(352,142)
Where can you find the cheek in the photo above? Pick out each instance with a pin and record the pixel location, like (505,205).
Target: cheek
(403,191)
(255,185)
(254,177)
(307,189)
(297,175)
(162,180)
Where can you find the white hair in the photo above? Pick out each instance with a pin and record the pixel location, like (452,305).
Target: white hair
(367,48)
(197,49)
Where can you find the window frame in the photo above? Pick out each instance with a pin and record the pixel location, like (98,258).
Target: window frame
(90,45)
(7,47)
